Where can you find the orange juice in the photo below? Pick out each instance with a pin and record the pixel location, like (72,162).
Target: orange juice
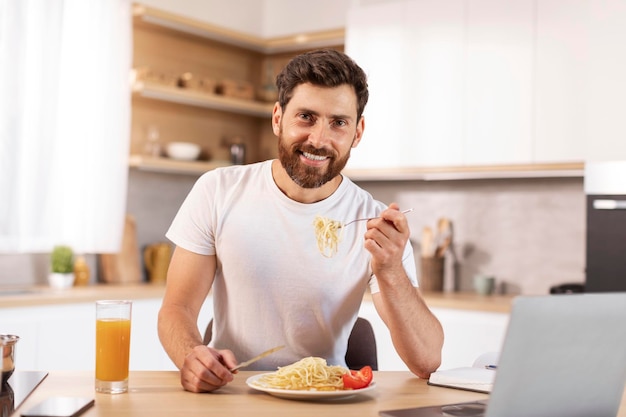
(112,349)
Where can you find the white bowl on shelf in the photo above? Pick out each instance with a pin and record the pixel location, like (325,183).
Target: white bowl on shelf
(183,151)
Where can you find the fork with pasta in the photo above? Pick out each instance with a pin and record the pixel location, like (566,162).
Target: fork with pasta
(329,233)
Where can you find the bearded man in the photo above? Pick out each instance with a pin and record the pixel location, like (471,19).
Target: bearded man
(246,234)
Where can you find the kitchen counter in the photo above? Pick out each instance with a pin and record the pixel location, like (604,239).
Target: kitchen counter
(159,393)
(43,295)
(495,303)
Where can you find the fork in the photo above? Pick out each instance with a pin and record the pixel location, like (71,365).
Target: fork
(370,218)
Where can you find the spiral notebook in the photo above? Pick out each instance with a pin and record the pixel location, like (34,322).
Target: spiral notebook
(563,355)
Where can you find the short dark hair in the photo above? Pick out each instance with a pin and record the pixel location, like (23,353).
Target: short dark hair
(326,68)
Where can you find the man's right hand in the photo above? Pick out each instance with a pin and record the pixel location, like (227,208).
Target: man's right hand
(206,369)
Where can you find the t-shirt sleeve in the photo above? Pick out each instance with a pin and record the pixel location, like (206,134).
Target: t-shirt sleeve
(193,226)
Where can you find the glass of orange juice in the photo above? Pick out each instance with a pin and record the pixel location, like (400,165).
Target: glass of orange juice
(113,319)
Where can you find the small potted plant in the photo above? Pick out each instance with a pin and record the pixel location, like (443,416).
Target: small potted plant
(61,267)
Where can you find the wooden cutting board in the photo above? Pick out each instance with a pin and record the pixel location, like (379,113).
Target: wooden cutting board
(123,267)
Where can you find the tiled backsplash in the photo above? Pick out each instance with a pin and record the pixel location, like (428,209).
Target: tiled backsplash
(528,233)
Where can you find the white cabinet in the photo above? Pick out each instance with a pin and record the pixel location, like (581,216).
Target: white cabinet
(434,81)
(561,61)
(375,38)
(468,334)
(491,82)
(499,71)
(413,55)
(606,131)
(450,82)
(62,337)
(580,85)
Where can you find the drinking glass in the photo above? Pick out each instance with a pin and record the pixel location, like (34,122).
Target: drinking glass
(113,318)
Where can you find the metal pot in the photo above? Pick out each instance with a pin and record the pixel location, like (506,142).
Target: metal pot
(7,342)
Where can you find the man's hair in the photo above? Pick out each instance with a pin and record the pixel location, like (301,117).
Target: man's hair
(325,68)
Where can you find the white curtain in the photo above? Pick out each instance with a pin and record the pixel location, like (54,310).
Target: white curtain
(64,123)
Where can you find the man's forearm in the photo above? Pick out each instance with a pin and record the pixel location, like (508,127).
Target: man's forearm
(416,333)
(178,333)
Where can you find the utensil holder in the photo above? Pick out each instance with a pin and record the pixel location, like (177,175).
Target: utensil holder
(431,279)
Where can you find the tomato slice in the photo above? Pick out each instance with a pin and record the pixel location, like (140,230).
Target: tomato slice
(358,379)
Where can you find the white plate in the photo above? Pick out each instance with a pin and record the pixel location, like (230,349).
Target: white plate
(306,395)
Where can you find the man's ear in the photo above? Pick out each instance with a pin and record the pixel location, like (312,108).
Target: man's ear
(360,127)
(277,114)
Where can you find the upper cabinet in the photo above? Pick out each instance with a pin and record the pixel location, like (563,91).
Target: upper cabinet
(487,83)
(498,83)
(561,62)
(606,66)
(200,83)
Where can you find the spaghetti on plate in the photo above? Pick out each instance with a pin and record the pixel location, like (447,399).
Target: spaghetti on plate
(310,373)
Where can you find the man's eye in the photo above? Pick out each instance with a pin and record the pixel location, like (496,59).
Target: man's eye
(340,123)
(305,116)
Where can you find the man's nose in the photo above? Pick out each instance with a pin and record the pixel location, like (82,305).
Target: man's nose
(320,135)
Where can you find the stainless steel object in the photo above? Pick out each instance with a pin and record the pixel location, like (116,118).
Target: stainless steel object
(256,358)
(8,341)
(370,218)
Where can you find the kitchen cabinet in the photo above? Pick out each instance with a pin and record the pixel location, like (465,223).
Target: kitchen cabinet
(435,77)
(200,83)
(606,67)
(391,43)
(450,83)
(376,41)
(488,84)
(580,87)
(499,78)
(57,329)
(62,337)
(468,334)
(561,61)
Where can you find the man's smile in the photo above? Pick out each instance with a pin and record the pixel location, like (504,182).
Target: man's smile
(314,157)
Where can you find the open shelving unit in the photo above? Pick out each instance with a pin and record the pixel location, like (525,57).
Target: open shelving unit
(198,99)
(172,44)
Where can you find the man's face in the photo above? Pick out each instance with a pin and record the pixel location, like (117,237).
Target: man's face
(316,132)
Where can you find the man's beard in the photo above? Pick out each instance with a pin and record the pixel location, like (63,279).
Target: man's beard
(307,176)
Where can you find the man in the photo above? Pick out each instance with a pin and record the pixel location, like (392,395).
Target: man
(246,233)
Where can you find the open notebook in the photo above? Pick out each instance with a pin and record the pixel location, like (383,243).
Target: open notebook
(478,377)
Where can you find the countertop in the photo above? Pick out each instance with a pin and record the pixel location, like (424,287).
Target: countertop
(158,393)
(44,295)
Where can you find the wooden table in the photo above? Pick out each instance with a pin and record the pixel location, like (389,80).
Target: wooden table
(159,393)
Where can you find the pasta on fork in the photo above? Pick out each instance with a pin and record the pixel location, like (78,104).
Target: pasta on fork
(328,233)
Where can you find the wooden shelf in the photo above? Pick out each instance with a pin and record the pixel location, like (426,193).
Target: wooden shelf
(555,170)
(187,25)
(198,99)
(172,166)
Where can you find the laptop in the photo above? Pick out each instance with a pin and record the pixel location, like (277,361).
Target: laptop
(563,355)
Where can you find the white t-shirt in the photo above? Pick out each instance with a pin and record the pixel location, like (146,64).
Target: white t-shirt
(273,286)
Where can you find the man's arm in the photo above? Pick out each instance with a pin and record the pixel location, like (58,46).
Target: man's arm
(416,333)
(189,279)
